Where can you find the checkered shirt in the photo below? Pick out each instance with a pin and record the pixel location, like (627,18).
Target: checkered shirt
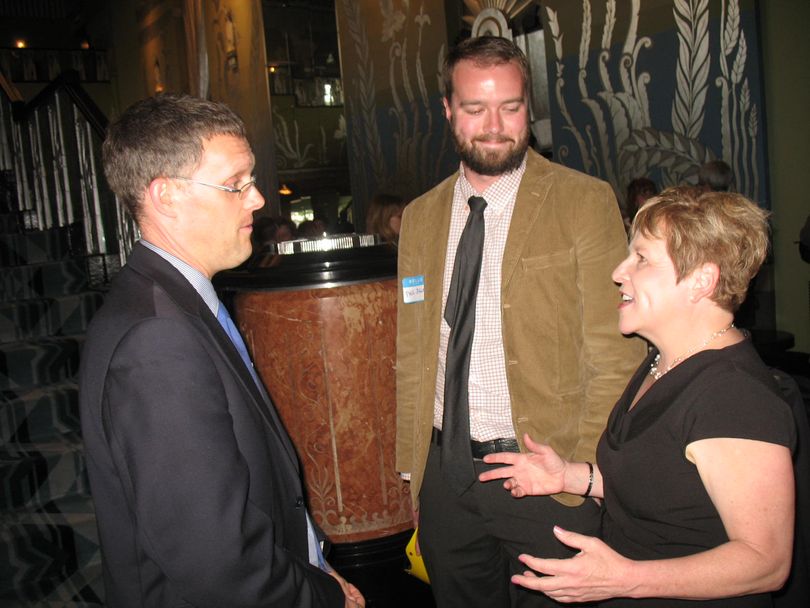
(489,402)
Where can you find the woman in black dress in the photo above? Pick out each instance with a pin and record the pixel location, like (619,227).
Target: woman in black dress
(695,463)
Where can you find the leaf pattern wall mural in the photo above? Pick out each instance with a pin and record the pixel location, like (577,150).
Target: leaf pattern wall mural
(633,99)
(391,53)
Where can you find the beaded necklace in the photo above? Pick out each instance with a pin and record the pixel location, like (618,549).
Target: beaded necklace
(656,374)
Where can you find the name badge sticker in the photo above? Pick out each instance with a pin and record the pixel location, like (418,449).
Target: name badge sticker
(413,289)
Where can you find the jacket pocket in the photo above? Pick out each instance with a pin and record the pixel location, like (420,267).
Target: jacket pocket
(547,260)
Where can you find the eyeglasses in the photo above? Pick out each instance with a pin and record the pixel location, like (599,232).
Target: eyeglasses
(241,191)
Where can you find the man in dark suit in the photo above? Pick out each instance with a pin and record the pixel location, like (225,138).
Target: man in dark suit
(196,484)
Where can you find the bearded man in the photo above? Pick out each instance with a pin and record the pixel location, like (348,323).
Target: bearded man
(507,326)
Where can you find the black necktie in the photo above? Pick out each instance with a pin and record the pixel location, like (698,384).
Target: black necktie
(456,454)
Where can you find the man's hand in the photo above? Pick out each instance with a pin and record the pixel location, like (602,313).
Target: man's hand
(415,513)
(354,599)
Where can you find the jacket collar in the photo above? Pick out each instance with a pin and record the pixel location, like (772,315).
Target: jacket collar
(437,230)
(531,196)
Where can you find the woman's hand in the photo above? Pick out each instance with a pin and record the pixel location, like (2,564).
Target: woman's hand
(538,473)
(596,573)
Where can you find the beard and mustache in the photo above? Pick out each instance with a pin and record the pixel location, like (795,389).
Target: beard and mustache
(491,162)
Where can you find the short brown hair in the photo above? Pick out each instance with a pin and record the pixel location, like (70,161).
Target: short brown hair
(709,227)
(161,136)
(484,51)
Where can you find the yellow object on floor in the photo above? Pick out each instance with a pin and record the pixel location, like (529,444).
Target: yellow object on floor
(417,568)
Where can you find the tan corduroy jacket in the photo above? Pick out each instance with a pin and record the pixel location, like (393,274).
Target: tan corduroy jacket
(566,362)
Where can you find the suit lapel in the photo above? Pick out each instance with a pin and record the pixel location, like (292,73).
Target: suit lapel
(436,230)
(260,400)
(186,297)
(531,196)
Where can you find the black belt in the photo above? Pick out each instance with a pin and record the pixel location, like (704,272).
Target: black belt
(482,448)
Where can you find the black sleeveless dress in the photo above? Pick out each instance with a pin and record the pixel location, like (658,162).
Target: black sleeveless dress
(656,506)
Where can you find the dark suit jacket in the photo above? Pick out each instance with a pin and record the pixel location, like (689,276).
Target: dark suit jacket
(196,484)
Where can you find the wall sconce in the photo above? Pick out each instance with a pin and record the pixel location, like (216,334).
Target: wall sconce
(285,190)
(272,69)
(20,44)
(84,44)
(158,77)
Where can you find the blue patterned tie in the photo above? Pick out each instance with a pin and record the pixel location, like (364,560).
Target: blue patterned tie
(227,324)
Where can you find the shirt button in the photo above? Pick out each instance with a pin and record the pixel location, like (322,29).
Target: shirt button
(299,502)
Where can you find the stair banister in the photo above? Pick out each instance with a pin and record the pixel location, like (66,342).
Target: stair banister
(55,152)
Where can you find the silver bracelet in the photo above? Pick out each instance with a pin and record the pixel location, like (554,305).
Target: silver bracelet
(590,480)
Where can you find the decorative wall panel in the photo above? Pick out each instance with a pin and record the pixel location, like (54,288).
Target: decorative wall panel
(656,88)
(391,53)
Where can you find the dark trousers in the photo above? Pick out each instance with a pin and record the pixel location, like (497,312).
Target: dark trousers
(471,542)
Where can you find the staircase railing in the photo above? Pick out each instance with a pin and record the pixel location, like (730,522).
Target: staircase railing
(55,154)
